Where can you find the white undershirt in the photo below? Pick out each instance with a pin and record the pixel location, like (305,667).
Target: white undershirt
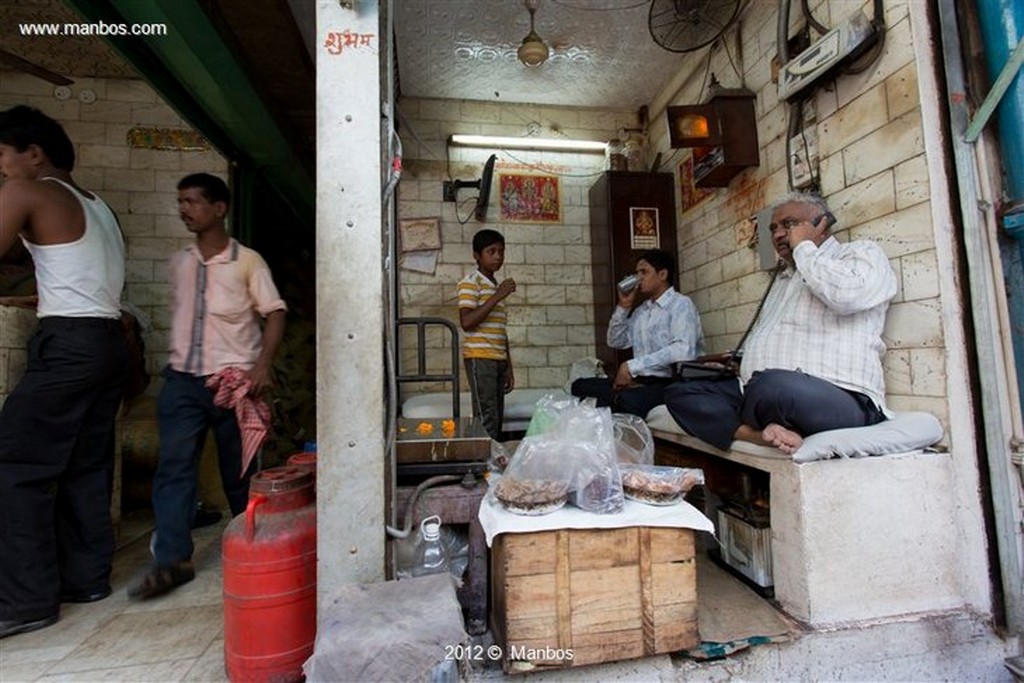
(84,278)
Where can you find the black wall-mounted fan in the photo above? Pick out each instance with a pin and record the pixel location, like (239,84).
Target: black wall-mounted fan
(686,25)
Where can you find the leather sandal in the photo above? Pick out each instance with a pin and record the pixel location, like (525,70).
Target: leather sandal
(160,580)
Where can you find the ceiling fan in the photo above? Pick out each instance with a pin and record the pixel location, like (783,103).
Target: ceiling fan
(687,25)
(15,62)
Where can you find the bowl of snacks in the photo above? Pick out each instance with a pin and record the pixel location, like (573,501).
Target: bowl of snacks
(658,485)
(531,496)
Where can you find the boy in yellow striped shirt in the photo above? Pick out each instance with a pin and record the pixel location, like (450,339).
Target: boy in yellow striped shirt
(485,343)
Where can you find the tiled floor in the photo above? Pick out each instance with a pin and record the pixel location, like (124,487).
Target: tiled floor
(177,637)
(180,636)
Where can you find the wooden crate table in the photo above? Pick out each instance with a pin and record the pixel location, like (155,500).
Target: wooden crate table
(571,596)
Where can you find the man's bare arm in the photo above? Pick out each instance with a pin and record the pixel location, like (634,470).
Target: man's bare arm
(15,211)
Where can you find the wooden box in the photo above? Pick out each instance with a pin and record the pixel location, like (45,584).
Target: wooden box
(572,597)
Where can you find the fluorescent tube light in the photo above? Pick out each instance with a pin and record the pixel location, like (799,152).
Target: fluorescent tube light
(560,144)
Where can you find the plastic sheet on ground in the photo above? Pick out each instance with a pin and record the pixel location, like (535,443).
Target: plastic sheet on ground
(392,631)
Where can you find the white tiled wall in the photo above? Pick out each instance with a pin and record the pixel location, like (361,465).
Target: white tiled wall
(551,312)
(872,172)
(138,184)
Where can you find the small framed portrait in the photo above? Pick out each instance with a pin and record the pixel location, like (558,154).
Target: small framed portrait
(645,232)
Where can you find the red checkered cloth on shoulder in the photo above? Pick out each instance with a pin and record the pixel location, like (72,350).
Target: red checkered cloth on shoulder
(231,390)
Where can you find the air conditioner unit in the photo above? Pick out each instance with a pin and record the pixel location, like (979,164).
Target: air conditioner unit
(843,43)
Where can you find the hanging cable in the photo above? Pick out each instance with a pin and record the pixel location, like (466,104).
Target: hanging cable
(704,81)
(821,29)
(782,32)
(878,22)
(585,8)
(725,44)
(671,156)
(815,180)
(460,220)
(795,116)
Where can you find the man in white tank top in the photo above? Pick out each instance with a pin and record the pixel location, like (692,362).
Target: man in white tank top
(57,426)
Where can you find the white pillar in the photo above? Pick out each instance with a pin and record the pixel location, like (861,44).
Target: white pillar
(349,293)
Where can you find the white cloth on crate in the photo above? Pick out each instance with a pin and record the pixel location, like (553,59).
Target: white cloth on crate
(660,332)
(825,318)
(496,520)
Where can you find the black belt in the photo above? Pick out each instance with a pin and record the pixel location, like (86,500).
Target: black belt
(651,379)
(68,322)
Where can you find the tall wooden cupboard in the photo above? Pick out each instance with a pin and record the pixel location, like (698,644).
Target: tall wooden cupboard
(630,212)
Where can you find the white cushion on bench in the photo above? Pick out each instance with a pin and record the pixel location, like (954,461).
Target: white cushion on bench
(904,433)
(519,405)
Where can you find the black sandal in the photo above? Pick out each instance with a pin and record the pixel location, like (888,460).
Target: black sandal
(160,580)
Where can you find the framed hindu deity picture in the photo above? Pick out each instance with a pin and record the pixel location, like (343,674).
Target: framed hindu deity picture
(644,231)
(529,198)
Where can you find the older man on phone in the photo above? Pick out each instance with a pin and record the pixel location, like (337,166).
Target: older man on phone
(813,360)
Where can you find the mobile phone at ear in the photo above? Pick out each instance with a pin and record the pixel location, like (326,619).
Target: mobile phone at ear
(827,218)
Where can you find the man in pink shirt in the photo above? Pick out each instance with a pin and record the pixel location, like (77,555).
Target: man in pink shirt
(221,290)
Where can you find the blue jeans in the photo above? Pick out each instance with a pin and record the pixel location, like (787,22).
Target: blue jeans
(186,412)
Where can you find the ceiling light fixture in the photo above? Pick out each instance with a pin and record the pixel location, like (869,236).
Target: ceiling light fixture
(534,51)
(559,144)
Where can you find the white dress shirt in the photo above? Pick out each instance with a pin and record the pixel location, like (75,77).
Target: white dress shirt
(825,318)
(660,332)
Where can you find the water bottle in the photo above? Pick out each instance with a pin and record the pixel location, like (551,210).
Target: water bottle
(431,555)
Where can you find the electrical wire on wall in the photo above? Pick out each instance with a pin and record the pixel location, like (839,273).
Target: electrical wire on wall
(546,169)
(811,21)
(391,277)
(633,4)
(662,163)
(459,205)
(795,124)
(390,272)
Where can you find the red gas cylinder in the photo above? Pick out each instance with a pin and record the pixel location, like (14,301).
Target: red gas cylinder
(269,561)
(306,462)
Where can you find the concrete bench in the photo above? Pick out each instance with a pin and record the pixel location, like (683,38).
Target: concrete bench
(852,539)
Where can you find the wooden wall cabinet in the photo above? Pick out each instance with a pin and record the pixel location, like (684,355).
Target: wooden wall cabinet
(623,205)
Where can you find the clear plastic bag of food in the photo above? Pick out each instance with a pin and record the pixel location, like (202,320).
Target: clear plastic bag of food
(500,457)
(596,484)
(586,437)
(658,485)
(547,411)
(634,443)
(536,480)
(573,459)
